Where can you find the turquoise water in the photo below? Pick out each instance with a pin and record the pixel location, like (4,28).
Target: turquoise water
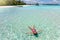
(14,22)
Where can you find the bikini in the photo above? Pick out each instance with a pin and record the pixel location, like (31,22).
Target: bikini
(34,32)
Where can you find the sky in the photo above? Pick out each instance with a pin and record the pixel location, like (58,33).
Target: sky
(42,1)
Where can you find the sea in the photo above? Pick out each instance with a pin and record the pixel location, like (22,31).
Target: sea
(15,22)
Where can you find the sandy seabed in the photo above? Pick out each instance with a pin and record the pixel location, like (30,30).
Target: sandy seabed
(14,22)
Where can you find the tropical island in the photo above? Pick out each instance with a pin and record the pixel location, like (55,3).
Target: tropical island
(19,2)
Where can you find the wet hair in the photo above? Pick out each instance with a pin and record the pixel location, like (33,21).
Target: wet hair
(36,35)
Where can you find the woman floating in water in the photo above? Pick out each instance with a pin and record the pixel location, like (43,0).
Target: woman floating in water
(34,31)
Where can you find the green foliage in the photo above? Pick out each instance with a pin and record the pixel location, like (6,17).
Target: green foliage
(12,2)
(18,3)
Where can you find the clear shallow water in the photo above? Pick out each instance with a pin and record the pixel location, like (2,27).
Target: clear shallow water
(14,22)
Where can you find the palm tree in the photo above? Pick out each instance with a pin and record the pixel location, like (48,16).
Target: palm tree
(20,2)
(11,2)
(14,2)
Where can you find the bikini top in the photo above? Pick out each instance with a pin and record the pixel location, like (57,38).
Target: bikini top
(34,31)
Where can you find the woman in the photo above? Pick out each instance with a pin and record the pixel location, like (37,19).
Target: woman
(34,31)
